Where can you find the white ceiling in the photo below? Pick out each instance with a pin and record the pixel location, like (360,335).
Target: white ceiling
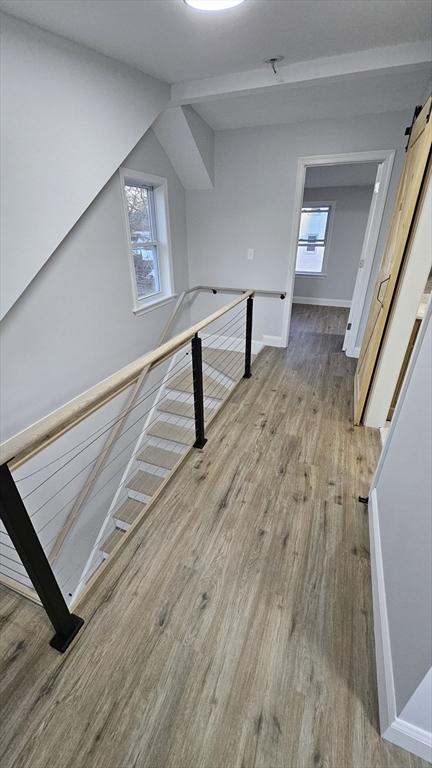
(342,175)
(367,94)
(174,42)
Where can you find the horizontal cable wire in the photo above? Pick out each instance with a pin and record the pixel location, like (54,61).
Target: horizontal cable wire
(110,423)
(176,420)
(12,560)
(159,441)
(219,380)
(122,433)
(105,467)
(112,460)
(173,421)
(154,405)
(124,414)
(25,574)
(222,349)
(7,546)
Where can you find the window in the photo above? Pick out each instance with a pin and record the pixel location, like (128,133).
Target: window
(148,240)
(142,228)
(313,239)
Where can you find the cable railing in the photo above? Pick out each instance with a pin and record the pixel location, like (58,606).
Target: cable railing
(75,485)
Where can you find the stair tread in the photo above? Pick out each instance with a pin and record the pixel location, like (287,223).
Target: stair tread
(179,408)
(159,457)
(144,482)
(174,432)
(212,388)
(227,361)
(129,511)
(111,541)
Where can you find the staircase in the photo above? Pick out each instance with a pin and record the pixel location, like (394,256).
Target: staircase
(59,533)
(166,441)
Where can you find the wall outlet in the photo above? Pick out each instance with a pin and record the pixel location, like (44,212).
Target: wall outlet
(250,254)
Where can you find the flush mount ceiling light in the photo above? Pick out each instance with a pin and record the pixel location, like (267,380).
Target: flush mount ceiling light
(213,5)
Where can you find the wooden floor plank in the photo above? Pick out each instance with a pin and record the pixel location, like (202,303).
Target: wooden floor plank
(235,629)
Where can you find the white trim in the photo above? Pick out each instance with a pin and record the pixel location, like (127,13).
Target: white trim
(370,242)
(355,352)
(163,233)
(384,663)
(321,302)
(410,737)
(272,341)
(160,302)
(312,274)
(384,157)
(393,729)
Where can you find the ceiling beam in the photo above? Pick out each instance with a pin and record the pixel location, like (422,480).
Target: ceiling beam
(404,57)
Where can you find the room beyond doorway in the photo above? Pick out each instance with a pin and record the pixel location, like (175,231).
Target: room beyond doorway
(338,211)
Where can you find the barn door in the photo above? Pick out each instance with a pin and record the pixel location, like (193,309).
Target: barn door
(410,186)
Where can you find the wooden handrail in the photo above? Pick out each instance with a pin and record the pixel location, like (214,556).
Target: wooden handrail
(256,291)
(32,440)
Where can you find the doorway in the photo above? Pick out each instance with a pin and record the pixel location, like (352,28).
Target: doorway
(337,195)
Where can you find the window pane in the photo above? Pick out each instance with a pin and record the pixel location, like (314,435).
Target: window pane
(310,259)
(138,203)
(313,223)
(146,270)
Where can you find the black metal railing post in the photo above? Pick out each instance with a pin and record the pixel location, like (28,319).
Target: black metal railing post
(248,348)
(17,522)
(198,391)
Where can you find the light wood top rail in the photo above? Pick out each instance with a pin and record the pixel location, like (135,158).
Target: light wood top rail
(30,441)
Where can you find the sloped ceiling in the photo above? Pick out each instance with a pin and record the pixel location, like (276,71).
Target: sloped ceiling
(69,118)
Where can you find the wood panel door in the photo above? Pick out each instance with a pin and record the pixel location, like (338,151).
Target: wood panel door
(410,186)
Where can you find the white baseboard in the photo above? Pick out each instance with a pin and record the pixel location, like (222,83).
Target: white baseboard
(410,737)
(322,302)
(354,353)
(393,729)
(272,341)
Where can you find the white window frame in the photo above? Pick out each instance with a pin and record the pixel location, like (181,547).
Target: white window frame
(161,221)
(328,235)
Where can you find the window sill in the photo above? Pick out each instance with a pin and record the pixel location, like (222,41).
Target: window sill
(311,274)
(152,304)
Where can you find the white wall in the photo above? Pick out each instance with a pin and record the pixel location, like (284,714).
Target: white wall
(69,117)
(74,325)
(343,254)
(401,535)
(189,143)
(251,205)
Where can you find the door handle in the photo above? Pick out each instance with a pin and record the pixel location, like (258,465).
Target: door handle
(381,293)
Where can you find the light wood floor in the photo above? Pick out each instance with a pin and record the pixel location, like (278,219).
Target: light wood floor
(236,630)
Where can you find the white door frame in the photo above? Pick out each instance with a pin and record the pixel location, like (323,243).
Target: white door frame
(385,159)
